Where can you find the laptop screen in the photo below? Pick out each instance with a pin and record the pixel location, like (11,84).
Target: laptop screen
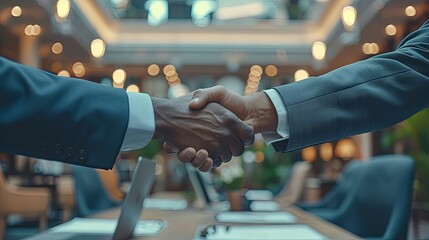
(141,183)
(203,185)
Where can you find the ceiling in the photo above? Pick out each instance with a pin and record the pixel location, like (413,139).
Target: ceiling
(281,33)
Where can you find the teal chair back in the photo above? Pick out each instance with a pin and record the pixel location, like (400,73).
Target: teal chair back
(336,196)
(90,194)
(378,204)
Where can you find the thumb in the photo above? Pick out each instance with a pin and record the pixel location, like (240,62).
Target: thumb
(202,97)
(170,149)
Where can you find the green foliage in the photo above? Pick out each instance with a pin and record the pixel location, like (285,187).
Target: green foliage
(236,184)
(413,135)
(271,173)
(151,149)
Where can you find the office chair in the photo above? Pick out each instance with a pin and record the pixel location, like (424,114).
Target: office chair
(90,193)
(22,200)
(379,202)
(335,197)
(290,193)
(111,183)
(294,188)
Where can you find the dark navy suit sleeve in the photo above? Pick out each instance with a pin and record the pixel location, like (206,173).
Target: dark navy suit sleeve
(365,96)
(46,116)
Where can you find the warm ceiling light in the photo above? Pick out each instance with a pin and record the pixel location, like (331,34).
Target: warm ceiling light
(173,78)
(63,73)
(98,47)
(153,70)
(36,30)
(375,48)
(348,16)
(78,69)
(63,8)
(318,50)
(256,68)
(366,48)
(32,30)
(255,74)
(301,74)
(309,154)
(119,76)
(118,85)
(16,11)
(133,88)
(28,31)
(169,68)
(410,11)
(271,70)
(171,73)
(391,30)
(57,48)
(370,48)
(253,79)
(259,157)
(326,151)
(346,149)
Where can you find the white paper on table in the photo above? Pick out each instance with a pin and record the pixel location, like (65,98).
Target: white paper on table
(268,206)
(255,217)
(107,226)
(266,232)
(258,195)
(165,204)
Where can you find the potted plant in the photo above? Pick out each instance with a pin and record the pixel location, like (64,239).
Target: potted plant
(231,176)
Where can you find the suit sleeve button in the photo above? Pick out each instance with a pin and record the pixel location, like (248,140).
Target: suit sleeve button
(45,146)
(70,153)
(83,155)
(58,149)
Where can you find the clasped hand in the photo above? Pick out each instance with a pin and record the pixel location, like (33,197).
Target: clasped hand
(211,125)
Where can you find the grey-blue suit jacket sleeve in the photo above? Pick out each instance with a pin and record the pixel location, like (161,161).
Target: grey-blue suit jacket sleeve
(362,97)
(46,116)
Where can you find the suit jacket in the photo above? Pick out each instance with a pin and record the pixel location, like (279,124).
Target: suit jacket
(46,116)
(362,97)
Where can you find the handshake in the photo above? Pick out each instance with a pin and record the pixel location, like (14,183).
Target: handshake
(209,126)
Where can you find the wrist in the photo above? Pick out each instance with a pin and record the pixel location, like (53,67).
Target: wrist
(160,107)
(263,114)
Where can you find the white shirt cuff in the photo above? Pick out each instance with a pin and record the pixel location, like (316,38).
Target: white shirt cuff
(282,123)
(141,123)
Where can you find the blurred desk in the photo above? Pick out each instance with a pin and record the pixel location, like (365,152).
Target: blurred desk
(183,224)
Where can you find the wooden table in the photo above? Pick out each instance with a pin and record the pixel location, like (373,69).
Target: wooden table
(183,224)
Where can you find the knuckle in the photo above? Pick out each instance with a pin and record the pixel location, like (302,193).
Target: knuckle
(197,92)
(219,87)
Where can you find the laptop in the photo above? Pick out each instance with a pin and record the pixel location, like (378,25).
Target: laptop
(203,184)
(128,223)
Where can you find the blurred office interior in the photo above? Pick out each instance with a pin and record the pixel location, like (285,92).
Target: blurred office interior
(171,48)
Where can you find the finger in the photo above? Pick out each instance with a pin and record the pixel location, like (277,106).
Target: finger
(245,133)
(187,155)
(207,165)
(236,146)
(170,149)
(200,159)
(225,155)
(216,160)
